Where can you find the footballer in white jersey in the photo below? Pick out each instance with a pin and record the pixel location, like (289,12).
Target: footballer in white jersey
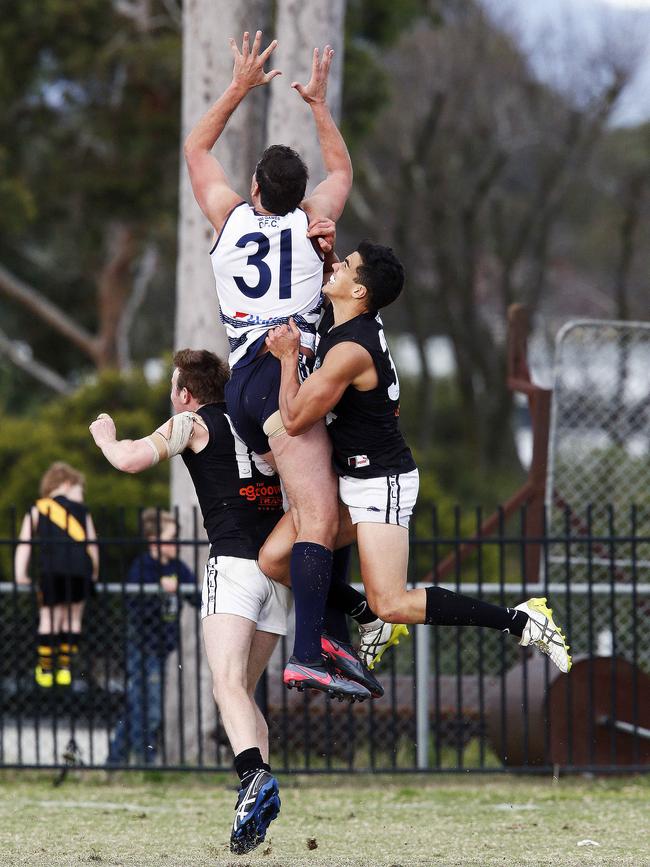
(265,272)
(266,269)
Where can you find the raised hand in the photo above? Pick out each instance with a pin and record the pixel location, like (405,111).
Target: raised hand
(324,230)
(103,429)
(248,70)
(316,88)
(284,340)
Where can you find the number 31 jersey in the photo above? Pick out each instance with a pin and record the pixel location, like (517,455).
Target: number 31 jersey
(266,270)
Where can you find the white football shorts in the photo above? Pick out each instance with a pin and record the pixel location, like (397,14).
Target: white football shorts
(233,585)
(382,500)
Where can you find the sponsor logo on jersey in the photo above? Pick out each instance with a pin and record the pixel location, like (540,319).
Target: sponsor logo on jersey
(254,319)
(359,461)
(266,496)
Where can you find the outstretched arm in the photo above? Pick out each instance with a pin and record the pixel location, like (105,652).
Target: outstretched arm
(133,456)
(211,189)
(301,406)
(329,197)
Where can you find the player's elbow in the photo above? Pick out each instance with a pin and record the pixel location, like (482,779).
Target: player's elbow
(294,429)
(344,178)
(296,426)
(192,151)
(131,464)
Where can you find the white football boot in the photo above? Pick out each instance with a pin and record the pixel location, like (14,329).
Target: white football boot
(544,634)
(376,638)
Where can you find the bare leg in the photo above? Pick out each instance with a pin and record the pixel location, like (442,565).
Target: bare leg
(313,495)
(68,618)
(384,554)
(275,553)
(314,503)
(228,640)
(262,647)
(383,550)
(46,620)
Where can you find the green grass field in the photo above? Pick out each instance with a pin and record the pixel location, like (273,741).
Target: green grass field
(163,820)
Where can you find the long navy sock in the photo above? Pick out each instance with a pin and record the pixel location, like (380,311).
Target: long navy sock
(311,572)
(446,608)
(342,596)
(336,624)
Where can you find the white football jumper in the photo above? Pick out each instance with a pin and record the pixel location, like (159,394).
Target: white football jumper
(266,270)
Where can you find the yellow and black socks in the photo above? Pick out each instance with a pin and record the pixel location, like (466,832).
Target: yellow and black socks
(45,659)
(68,650)
(45,651)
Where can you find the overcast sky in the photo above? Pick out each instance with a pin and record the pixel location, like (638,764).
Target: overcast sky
(544,26)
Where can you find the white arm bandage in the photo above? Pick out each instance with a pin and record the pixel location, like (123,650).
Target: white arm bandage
(175,440)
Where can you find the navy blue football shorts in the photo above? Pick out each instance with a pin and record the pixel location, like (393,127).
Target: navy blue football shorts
(252,395)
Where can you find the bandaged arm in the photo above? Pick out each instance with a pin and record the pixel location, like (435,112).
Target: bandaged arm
(134,456)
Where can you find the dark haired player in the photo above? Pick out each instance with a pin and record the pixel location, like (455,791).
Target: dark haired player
(355,385)
(267,268)
(243,612)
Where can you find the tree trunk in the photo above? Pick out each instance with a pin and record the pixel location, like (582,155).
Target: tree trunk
(301,27)
(114,286)
(207,70)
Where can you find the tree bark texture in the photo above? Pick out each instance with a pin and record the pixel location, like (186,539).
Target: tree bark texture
(301,27)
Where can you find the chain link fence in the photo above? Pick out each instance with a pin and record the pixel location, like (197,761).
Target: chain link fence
(599,454)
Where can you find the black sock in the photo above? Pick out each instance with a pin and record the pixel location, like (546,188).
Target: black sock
(335,623)
(311,571)
(342,596)
(446,608)
(248,762)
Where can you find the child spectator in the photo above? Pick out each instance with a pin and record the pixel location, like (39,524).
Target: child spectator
(152,626)
(66,562)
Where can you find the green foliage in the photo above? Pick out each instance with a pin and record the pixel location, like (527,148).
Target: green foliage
(371,26)
(59,431)
(89,125)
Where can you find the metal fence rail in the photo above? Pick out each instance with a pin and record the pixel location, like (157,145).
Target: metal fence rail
(457,698)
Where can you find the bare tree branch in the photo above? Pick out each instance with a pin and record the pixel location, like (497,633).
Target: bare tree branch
(20,355)
(36,303)
(144,274)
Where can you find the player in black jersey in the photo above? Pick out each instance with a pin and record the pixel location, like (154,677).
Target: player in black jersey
(355,386)
(243,611)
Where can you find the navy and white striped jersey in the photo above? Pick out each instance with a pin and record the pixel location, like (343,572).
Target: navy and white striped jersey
(266,269)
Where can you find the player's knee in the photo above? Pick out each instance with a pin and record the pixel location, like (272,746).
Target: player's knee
(225,683)
(317,526)
(273,562)
(386,607)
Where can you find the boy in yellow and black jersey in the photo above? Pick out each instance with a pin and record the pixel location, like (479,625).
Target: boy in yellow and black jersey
(58,536)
